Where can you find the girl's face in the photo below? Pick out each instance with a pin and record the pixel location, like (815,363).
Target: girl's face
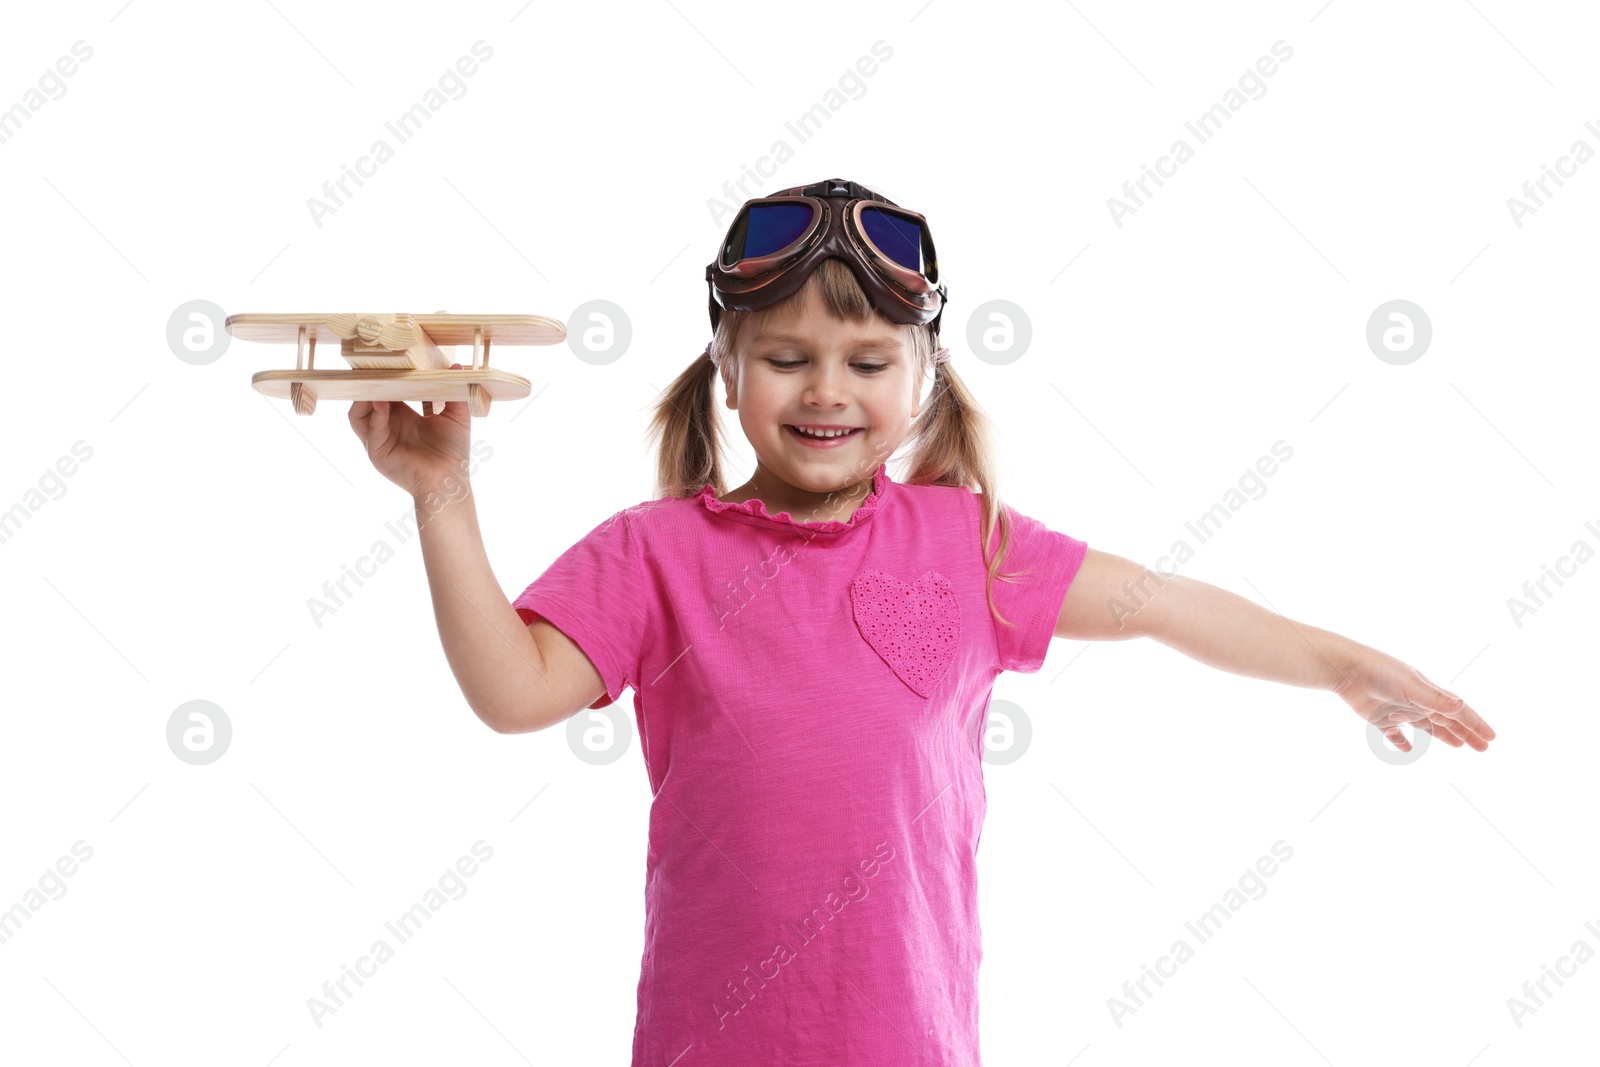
(805,368)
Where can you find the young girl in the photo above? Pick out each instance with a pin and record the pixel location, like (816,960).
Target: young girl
(812,653)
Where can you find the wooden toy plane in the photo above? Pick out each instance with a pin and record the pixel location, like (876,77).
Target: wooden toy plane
(395,356)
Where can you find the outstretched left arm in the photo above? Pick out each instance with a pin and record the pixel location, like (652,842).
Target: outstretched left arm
(1112,599)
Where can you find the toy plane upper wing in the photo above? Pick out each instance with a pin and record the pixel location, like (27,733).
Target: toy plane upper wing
(394,356)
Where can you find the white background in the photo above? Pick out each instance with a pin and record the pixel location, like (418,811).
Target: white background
(1228,313)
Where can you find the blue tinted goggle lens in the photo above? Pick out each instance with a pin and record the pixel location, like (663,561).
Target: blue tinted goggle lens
(769,228)
(899,238)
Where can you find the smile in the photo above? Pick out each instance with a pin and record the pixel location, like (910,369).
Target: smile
(815,440)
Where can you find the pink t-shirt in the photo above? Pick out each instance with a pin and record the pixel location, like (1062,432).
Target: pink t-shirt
(810,699)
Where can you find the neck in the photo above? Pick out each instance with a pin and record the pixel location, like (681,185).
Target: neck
(777,495)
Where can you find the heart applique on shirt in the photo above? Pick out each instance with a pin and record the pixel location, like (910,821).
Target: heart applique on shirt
(914,627)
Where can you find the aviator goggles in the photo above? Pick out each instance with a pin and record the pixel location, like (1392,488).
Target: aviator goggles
(775,242)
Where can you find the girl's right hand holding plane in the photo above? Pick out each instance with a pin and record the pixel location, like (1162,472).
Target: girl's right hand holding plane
(416,452)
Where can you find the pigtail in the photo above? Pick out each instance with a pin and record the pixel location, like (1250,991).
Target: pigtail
(685,419)
(952,444)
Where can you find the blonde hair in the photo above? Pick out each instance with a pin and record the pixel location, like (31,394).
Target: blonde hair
(950,440)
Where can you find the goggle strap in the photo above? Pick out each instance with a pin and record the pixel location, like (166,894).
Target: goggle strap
(844,188)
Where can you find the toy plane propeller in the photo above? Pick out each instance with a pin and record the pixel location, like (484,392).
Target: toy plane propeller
(395,356)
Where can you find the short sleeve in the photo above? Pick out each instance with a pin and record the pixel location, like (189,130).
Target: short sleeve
(1033,600)
(595,593)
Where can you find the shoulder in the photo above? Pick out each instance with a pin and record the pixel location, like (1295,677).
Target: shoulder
(951,506)
(962,511)
(935,510)
(650,529)
(645,517)
(935,499)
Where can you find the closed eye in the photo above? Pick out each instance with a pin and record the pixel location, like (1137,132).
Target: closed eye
(870,368)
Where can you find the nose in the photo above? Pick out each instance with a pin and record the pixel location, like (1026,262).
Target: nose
(825,387)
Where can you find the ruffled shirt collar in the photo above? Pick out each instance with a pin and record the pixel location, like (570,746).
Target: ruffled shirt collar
(754,512)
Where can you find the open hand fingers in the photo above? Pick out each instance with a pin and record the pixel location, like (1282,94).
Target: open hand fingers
(1461,723)
(1437,724)
(1473,726)
(1450,712)
(1441,728)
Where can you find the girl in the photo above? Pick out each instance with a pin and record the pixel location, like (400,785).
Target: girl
(812,653)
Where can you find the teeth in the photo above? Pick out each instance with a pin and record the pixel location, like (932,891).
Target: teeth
(822,433)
